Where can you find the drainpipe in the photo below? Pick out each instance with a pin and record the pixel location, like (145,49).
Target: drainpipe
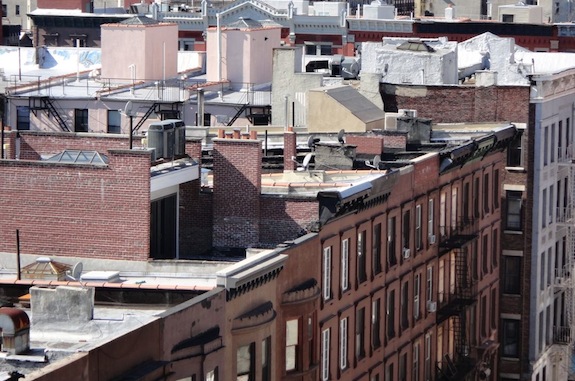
(219,33)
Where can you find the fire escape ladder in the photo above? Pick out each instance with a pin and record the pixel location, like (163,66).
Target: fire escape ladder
(240,110)
(49,105)
(564,330)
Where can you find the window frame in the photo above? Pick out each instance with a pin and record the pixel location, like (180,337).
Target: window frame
(345,264)
(81,119)
(343,344)
(327,292)
(113,128)
(325,339)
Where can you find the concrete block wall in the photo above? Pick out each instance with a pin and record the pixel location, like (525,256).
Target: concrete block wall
(62,304)
(237,188)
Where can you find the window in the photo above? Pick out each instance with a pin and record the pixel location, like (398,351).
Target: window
(429,284)
(310,338)
(486,206)
(485,254)
(375,322)
(427,372)
(360,333)
(553,147)
(465,200)
(514,210)
(246,363)
(510,336)
(494,308)
(441,281)
(416,288)
(496,194)
(361,261)
(327,273)
(476,197)
(512,271)
(403,367)
(212,375)
(506,18)
(344,264)
(415,367)
(22,117)
(17,10)
(4,10)
(542,275)
(442,207)
(453,208)
(550,208)
(376,249)
(292,339)
(404,305)
(474,270)
(544,209)
(560,140)
(514,152)
(267,359)
(545,146)
(343,343)
(430,230)
(389,373)
(418,233)
(325,355)
(495,247)
(81,120)
(391,247)
(390,312)
(114,122)
(483,313)
(406,231)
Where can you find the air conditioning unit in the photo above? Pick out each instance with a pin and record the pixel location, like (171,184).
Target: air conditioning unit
(431,239)
(406,253)
(407,112)
(431,306)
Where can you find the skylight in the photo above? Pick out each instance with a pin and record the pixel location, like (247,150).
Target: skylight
(79,157)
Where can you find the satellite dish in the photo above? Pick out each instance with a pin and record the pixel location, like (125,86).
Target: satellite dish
(305,163)
(311,141)
(77,270)
(128,108)
(340,136)
(376,161)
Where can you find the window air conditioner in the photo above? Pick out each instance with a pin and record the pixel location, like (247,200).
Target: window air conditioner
(406,253)
(431,239)
(431,306)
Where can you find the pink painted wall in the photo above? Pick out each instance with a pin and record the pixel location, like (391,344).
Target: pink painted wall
(152,48)
(246,54)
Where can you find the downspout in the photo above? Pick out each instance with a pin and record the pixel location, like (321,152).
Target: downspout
(219,42)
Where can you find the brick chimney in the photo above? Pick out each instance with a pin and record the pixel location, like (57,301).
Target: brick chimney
(290,149)
(237,189)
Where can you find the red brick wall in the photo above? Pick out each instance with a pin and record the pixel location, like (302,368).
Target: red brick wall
(64,4)
(453,104)
(237,187)
(82,211)
(371,145)
(289,150)
(283,219)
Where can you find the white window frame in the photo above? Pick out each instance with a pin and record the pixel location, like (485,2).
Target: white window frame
(345,264)
(325,354)
(442,211)
(343,343)
(427,365)
(327,273)
(416,290)
(430,218)
(415,376)
(292,341)
(418,232)
(430,284)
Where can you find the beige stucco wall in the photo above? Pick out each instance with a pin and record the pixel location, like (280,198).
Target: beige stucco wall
(152,49)
(246,55)
(327,115)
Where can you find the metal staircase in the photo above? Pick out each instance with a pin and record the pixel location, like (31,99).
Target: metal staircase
(45,103)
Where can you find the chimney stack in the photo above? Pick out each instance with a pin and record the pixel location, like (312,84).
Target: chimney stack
(290,149)
(237,188)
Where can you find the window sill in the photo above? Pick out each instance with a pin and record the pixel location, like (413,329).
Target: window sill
(511,295)
(513,232)
(512,359)
(515,169)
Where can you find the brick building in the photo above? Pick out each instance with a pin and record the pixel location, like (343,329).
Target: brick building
(537,196)
(394,275)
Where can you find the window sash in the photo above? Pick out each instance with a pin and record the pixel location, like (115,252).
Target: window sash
(325,354)
(327,273)
(345,264)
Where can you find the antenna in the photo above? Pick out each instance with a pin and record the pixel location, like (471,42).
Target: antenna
(340,136)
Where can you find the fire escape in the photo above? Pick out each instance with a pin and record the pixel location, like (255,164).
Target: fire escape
(46,104)
(563,328)
(455,246)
